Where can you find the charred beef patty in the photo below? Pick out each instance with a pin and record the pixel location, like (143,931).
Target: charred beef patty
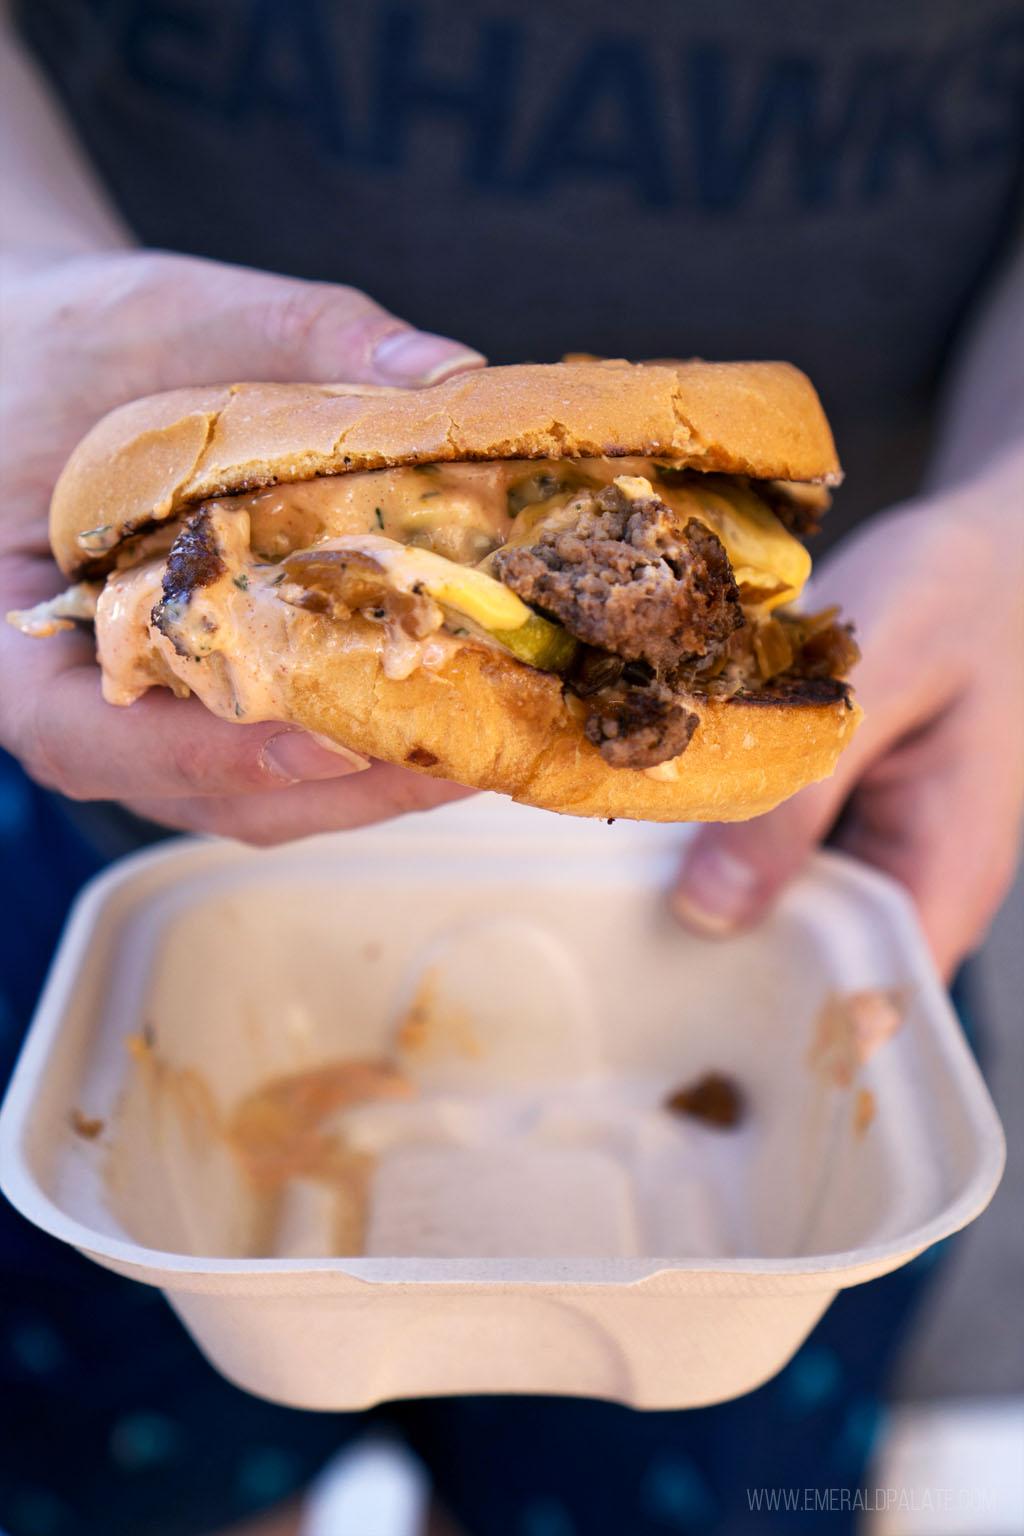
(194,561)
(639,727)
(626,578)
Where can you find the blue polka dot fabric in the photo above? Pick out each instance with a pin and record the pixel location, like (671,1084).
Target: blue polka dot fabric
(112,1424)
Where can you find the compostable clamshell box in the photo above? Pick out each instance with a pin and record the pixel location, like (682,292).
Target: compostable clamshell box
(497,1196)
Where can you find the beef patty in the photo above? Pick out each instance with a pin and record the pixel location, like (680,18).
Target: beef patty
(625,577)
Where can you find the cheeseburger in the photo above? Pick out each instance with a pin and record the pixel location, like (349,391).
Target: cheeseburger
(571,583)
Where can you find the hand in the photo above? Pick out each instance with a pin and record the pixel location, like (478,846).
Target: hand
(81,336)
(932,786)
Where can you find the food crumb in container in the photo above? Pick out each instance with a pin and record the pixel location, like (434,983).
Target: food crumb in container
(864,1110)
(713,1098)
(431,1027)
(850,1028)
(86,1126)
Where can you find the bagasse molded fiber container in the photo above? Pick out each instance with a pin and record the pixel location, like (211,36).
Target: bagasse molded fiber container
(537,1220)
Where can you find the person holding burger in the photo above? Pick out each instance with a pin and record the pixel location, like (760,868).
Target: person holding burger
(906,307)
(92,324)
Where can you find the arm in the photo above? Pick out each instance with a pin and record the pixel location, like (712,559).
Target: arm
(983,418)
(53,201)
(932,787)
(88,324)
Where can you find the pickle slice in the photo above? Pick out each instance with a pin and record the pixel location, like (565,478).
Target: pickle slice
(539,643)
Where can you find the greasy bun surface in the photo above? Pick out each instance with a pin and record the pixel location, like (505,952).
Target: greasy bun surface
(149,460)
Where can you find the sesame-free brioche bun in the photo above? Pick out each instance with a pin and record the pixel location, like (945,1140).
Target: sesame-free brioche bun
(482,719)
(147,461)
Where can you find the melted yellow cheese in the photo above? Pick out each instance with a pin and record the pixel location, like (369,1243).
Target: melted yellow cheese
(409,569)
(761,552)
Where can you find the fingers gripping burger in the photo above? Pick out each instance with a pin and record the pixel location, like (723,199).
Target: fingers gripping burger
(570,583)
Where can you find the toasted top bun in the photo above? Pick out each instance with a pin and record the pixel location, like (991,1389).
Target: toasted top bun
(147,461)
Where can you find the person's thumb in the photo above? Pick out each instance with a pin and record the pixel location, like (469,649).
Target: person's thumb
(731,874)
(265,327)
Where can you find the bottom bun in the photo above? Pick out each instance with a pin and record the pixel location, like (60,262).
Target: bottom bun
(488,721)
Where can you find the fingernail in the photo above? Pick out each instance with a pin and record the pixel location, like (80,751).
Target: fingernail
(715,894)
(415,357)
(294,755)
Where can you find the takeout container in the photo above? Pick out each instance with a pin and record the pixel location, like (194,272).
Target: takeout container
(560,1231)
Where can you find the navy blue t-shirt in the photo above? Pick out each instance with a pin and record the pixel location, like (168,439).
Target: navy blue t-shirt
(726,178)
